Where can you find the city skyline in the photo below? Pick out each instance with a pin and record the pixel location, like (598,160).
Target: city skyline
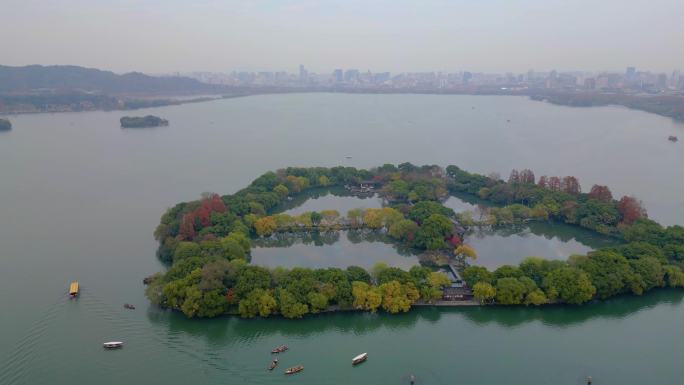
(631,79)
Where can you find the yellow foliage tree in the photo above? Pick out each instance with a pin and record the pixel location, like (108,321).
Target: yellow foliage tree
(466,251)
(373,218)
(265,226)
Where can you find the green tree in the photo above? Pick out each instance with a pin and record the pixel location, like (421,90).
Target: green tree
(507,271)
(356,273)
(399,189)
(258,302)
(403,229)
(484,292)
(649,272)
(316,218)
(570,285)
(251,277)
(186,250)
(536,268)
(235,245)
(509,291)
(432,233)
(609,272)
(673,276)
(422,210)
(289,306)
(474,274)
(536,297)
(393,274)
(317,302)
(281,190)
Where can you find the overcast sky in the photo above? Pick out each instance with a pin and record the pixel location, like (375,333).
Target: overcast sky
(157,36)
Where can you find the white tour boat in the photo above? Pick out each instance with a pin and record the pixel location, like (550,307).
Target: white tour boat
(112,344)
(359,359)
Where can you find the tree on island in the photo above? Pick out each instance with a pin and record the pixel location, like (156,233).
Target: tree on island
(142,122)
(208,242)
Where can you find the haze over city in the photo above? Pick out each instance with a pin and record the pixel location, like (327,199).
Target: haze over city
(158,36)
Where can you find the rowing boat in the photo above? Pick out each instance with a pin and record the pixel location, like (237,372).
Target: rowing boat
(359,359)
(294,369)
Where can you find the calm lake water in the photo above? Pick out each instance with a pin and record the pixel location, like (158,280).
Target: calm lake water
(80,197)
(335,249)
(336,198)
(341,249)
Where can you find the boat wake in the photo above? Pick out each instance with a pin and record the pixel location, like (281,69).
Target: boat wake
(14,368)
(67,325)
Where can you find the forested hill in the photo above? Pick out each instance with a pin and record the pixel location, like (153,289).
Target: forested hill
(62,78)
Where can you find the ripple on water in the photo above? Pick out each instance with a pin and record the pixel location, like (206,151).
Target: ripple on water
(15,367)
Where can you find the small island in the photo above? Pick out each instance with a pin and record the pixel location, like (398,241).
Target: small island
(5,125)
(207,245)
(143,122)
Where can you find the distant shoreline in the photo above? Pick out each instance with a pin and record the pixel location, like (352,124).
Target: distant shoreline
(671,106)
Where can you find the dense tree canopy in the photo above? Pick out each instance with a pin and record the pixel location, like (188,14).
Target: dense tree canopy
(207,244)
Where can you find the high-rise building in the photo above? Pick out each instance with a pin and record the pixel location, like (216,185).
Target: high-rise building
(303,74)
(590,83)
(675,79)
(630,73)
(662,81)
(338,76)
(351,75)
(466,77)
(382,77)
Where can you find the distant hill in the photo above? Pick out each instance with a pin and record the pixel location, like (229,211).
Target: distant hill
(62,79)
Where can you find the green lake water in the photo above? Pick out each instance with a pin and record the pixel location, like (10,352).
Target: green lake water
(80,198)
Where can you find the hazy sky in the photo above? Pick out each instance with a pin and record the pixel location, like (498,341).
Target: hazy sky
(394,35)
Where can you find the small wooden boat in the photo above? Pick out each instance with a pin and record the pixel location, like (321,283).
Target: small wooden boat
(294,369)
(73,289)
(113,345)
(412,379)
(359,359)
(279,349)
(273,364)
(129,306)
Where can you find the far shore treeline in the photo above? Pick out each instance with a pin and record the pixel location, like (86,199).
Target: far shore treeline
(207,244)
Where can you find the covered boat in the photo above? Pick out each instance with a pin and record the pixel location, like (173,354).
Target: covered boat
(112,344)
(73,289)
(359,359)
(294,369)
(279,349)
(129,306)
(273,364)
